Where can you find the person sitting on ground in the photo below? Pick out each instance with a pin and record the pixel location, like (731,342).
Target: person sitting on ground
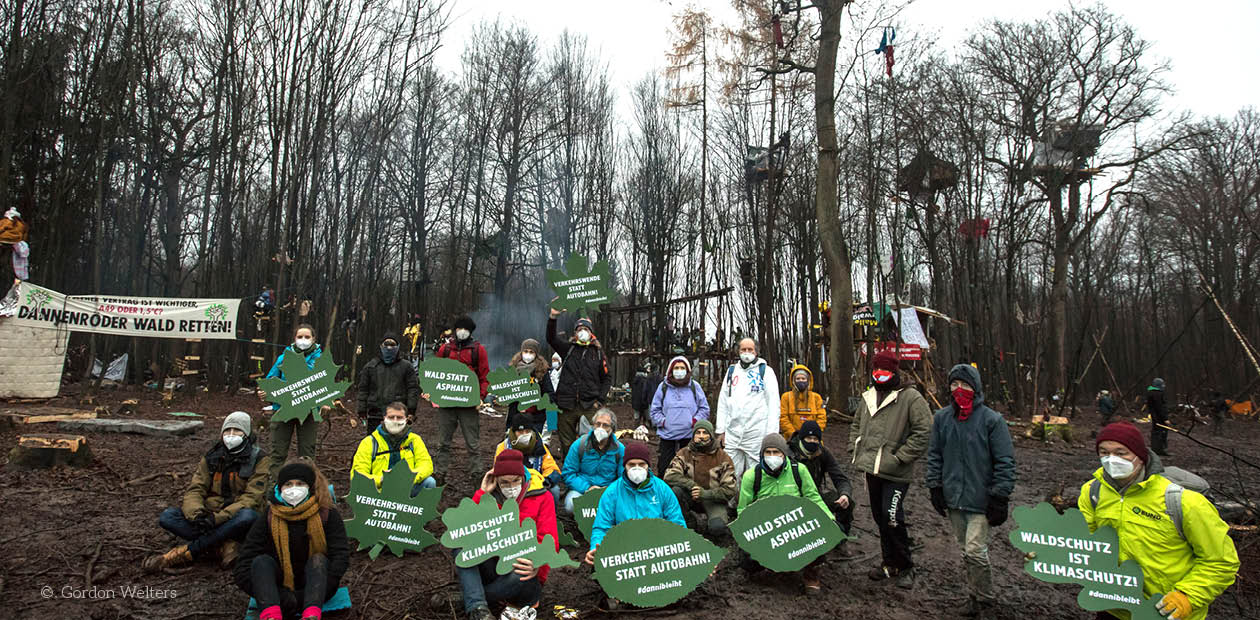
(1187,564)
(702,477)
(676,406)
(636,494)
(776,475)
(808,450)
(387,378)
(520,589)
(295,555)
(801,403)
(391,443)
(594,461)
(221,502)
(523,436)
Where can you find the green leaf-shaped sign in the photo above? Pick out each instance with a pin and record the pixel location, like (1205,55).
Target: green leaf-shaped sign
(303,391)
(584,509)
(449,383)
(391,517)
(653,562)
(1060,548)
(581,285)
(511,385)
(784,533)
(485,530)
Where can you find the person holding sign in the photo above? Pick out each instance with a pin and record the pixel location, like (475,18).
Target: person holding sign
(463,348)
(222,500)
(481,585)
(801,404)
(1174,534)
(703,479)
(524,437)
(679,402)
(808,450)
(636,494)
(594,461)
(891,429)
(774,475)
(527,360)
(748,407)
(306,430)
(294,556)
(384,380)
(583,386)
(970,477)
(391,443)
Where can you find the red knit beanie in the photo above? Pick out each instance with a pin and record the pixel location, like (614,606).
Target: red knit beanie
(886,360)
(1125,434)
(638,450)
(509,463)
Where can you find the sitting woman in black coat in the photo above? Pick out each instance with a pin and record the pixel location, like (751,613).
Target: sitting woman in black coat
(295,554)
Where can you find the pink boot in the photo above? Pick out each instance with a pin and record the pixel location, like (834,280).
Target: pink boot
(271,613)
(312,613)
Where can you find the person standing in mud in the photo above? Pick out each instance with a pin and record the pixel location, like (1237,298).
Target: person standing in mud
(1186,562)
(386,379)
(583,386)
(1219,409)
(1106,407)
(748,407)
(307,430)
(1157,407)
(891,430)
(970,477)
(464,349)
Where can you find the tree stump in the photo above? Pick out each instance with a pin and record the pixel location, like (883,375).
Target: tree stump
(44,451)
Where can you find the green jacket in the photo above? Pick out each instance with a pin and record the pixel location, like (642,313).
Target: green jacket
(1201,565)
(888,441)
(784,484)
(245,478)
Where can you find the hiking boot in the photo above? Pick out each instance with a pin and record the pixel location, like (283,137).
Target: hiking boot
(809,579)
(880,573)
(227,553)
(175,557)
(444,602)
(480,613)
(905,579)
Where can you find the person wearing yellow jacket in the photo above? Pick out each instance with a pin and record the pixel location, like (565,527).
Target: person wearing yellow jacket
(801,403)
(1185,568)
(393,442)
(523,435)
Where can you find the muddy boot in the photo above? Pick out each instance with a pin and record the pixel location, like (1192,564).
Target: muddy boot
(809,579)
(881,572)
(972,609)
(446,602)
(905,579)
(227,554)
(175,557)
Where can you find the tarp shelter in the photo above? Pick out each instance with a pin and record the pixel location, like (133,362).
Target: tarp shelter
(31,360)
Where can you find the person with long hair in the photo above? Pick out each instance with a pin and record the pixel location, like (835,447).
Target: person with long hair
(306,430)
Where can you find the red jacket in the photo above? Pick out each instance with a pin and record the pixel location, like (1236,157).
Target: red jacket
(465,354)
(536,504)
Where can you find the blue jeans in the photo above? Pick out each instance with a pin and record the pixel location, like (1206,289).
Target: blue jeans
(427,483)
(173,521)
(482,587)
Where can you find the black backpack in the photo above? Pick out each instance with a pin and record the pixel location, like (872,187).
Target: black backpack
(796,473)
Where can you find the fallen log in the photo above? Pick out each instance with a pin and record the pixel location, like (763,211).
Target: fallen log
(43,415)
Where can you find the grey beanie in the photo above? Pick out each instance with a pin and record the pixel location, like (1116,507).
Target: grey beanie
(238,420)
(774,440)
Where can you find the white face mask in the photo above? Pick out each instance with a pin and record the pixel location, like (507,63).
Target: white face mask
(747,357)
(528,358)
(1116,467)
(774,461)
(232,442)
(393,427)
(294,495)
(680,374)
(601,434)
(303,343)
(510,492)
(555,364)
(637,474)
(462,334)
(584,335)
(523,439)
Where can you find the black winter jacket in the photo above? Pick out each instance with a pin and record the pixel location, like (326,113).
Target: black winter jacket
(585,379)
(259,542)
(381,384)
(818,464)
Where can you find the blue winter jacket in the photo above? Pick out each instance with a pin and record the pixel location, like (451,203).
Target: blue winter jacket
(313,355)
(622,501)
(676,409)
(585,466)
(971,459)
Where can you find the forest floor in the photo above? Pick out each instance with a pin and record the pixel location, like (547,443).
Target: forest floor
(59,525)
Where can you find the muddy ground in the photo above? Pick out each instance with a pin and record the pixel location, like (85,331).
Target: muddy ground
(57,525)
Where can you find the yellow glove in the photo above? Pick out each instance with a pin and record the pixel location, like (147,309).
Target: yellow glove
(1175,605)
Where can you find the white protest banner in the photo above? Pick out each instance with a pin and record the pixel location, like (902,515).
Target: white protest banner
(153,317)
(911,329)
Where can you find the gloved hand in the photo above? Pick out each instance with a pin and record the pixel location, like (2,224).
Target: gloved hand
(204,522)
(1175,605)
(997,509)
(938,500)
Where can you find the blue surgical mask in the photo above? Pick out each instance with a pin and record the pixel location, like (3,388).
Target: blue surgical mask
(389,354)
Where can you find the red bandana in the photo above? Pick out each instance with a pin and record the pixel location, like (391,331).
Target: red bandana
(963,399)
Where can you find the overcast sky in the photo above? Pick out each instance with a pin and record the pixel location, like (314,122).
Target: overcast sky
(1211,46)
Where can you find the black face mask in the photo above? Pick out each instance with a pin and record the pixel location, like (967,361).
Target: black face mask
(811,446)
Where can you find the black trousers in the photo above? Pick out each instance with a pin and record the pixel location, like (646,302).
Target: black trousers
(266,581)
(1159,436)
(669,447)
(888,508)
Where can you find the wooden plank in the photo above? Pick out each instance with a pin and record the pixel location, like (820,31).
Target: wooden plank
(40,415)
(192,372)
(52,441)
(255,375)
(257,358)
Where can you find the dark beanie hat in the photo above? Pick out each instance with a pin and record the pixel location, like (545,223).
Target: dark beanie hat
(585,322)
(810,428)
(530,345)
(705,424)
(886,360)
(509,463)
(518,421)
(465,322)
(296,471)
(638,450)
(1126,434)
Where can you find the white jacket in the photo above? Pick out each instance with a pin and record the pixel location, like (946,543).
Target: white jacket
(748,405)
